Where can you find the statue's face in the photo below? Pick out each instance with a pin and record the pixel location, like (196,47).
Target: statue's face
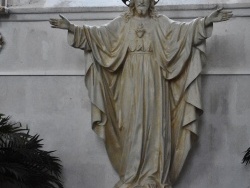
(141,7)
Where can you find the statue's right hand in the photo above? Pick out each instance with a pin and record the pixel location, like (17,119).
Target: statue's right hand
(62,23)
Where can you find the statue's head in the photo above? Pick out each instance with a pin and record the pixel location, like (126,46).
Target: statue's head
(127,2)
(142,8)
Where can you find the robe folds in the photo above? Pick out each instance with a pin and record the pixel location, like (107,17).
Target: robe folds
(145,96)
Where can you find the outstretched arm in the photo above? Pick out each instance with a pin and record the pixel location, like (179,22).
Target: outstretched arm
(219,15)
(76,35)
(62,23)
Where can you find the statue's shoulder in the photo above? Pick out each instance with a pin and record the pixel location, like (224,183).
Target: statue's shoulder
(119,19)
(116,22)
(164,19)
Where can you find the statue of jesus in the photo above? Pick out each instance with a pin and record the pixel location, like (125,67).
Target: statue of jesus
(142,73)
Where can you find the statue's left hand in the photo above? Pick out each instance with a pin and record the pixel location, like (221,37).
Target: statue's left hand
(219,15)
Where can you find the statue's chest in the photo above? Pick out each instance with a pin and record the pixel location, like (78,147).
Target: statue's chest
(140,36)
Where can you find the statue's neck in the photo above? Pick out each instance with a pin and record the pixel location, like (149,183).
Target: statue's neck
(140,18)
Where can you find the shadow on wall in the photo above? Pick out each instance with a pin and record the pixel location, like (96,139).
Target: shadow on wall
(1,42)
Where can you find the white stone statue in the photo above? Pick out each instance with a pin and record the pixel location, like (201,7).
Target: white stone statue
(142,73)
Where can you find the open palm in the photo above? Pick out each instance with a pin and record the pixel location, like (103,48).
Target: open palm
(220,15)
(62,23)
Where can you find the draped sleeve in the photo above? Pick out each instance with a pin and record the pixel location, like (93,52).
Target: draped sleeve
(106,43)
(180,53)
(185,54)
(180,39)
(105,50)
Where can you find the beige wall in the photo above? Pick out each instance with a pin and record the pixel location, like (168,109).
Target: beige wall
(42,85)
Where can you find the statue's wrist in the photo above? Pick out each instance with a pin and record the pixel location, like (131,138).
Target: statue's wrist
(71,28)
(208,21)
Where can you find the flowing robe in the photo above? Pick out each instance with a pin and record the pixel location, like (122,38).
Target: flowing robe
(144,93)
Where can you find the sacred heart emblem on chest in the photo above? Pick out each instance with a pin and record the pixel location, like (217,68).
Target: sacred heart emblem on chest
(140,31)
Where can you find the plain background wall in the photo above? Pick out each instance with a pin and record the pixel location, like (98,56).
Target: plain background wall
(42,85)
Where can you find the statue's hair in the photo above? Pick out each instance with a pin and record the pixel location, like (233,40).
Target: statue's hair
(131,12)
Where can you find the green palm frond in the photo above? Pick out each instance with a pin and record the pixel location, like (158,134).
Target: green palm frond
(22,160)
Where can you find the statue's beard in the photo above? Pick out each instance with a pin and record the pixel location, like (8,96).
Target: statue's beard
(142,12)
